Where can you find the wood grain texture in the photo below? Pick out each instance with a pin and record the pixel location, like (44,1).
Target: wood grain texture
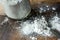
(33,2)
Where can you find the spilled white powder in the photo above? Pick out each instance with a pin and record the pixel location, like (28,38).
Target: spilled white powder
(55,22)
(39,26)
(5,20)
(33,38)
(58,39)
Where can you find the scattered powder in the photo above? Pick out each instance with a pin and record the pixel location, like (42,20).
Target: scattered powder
(55,22)
(33,38)
(58,39)
(5,20)
(38,26)
(19,0)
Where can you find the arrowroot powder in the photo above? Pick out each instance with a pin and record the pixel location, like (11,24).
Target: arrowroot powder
(37,27)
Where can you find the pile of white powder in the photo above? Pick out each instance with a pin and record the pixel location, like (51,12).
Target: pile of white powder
(39,26)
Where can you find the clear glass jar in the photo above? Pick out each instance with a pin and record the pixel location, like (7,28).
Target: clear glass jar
(17,9)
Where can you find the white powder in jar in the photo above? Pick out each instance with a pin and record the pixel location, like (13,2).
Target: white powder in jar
(11,2)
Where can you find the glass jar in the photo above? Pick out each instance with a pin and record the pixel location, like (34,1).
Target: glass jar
(17,9)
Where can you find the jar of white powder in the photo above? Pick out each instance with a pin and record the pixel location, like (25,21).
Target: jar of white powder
(17,9)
